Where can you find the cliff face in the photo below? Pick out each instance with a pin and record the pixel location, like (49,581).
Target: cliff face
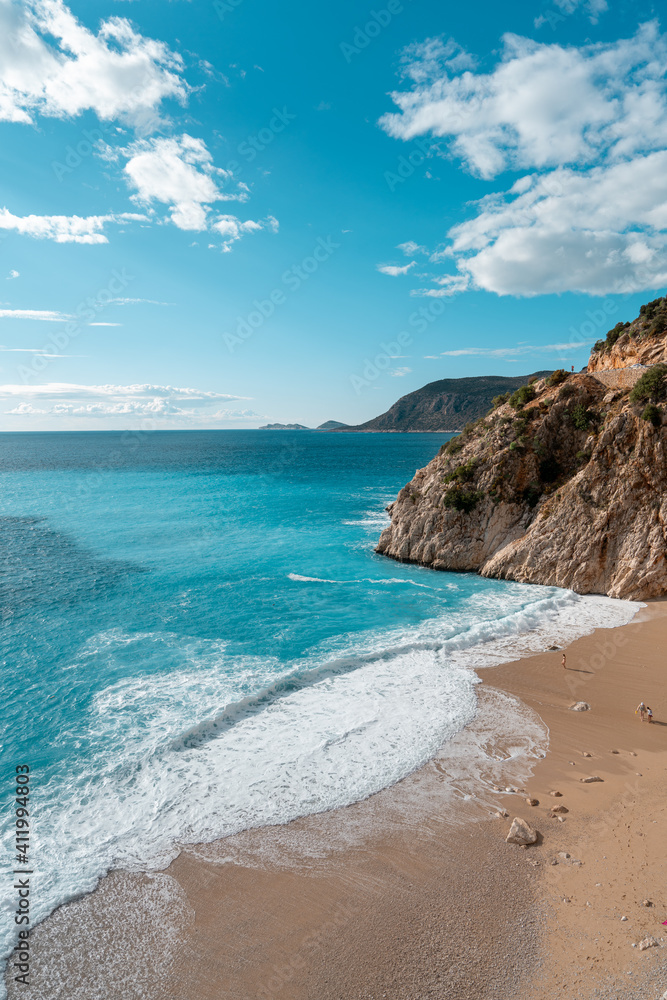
(445,405)
(641,342)
(566,489)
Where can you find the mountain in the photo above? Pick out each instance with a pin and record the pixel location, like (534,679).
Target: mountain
(446,405)
(284,427)
(563,484)
(331,425)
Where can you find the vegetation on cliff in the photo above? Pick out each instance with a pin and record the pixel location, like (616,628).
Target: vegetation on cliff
(563,482)
(640,342)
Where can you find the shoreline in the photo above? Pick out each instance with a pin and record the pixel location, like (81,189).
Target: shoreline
(369,898)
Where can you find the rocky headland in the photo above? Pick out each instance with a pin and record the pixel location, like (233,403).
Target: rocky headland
(444,406)
(563,482)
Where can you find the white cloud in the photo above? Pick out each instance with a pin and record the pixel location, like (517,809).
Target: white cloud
(150,302)
(59,401)
(12,274)
(410,248)
(593,8)
(45,315)
(54,66)
(232,229)
(590,123)
(425,61)
(34,350)
(64,228)
(178,172)
(449,284)
(543,105)
(502,352)
(399,372)
(600,231)
(25,409)
(393,270)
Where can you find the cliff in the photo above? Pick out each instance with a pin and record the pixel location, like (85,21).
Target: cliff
(564,483)
(641,342)
(445,405)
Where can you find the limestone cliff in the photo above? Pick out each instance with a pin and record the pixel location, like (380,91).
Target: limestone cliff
(564,483)
(641,342)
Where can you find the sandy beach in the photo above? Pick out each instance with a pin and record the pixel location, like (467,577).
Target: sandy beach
(414,893)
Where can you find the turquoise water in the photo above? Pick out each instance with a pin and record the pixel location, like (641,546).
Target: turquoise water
(198,637)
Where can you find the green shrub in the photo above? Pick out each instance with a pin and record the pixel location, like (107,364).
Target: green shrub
(583,456)
(566,391)
(659,321)
(463,473)
(580,416)
(538,447)
(560,375)
(649,309)
(652,386)
(653,414)
(499,400)
(462,499)
(522,396)
(614,334)
(451,447)
(599,345)
(518,444)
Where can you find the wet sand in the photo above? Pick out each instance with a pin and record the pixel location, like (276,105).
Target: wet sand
(414,893)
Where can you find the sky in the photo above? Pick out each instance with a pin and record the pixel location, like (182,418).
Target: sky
(222,214)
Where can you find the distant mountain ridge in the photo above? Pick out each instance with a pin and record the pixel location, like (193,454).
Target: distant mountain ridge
(446,405)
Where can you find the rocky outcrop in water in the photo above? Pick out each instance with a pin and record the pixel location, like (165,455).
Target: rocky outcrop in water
(564,483)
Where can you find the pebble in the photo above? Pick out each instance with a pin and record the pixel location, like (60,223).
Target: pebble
(585,754)
(623,918)
(615,751)
(556,794)
(648,942)
(532,802)
(591,779)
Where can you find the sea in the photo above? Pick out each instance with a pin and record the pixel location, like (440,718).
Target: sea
(198,638)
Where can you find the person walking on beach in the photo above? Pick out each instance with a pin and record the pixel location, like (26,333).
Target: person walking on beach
(649,715)
(641,708)
(564,661)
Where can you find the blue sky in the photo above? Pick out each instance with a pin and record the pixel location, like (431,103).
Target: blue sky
(219,214)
